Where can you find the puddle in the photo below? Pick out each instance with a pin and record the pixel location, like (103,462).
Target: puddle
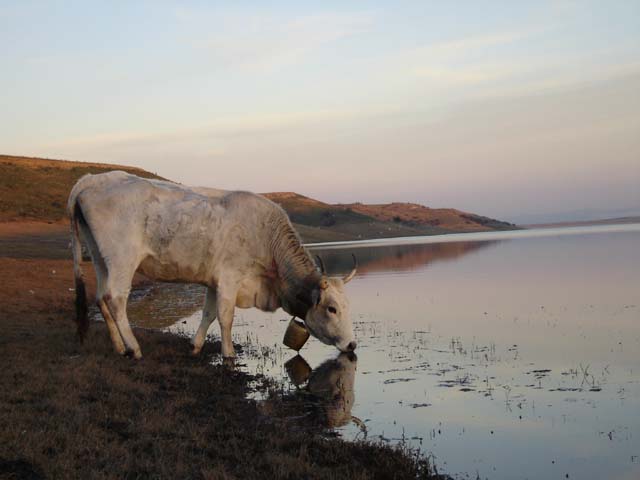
(503,359)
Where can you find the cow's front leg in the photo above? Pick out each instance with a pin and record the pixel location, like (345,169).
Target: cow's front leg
(209,312)
(226,306)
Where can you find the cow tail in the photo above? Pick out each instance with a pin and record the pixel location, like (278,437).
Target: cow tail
(82,316)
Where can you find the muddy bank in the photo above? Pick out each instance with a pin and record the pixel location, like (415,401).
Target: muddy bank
(72,411)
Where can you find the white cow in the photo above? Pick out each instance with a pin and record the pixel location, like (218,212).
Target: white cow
(240,245)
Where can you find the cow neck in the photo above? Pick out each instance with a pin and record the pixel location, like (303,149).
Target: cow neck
(297,273)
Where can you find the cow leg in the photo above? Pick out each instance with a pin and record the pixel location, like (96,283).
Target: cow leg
(102,277)
(114,291)
(118,307)
(208,316)
(101,281)
(116,339)
(226,302)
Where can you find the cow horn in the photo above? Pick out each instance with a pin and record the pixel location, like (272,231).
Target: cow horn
(321,265)
(353,272)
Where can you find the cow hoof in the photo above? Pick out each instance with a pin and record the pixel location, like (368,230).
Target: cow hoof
(196,351)
(137,354)
(228,351)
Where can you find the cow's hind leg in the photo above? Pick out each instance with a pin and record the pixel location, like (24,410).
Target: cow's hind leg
(209,312)
(102,276)
(116,292)
(116,339)
(118,307)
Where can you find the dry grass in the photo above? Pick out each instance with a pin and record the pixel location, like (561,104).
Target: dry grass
(35,162)
(71,412)
(37,188)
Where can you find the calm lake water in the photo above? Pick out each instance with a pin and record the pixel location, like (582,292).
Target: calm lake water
(502,355)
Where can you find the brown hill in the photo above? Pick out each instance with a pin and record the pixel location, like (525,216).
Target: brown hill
(37,188)
(318,221)
(413,214)
(315,213)
(387,220)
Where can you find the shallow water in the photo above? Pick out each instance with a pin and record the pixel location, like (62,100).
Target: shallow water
(504,355)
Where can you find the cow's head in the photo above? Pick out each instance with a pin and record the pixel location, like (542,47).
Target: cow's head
(329,318)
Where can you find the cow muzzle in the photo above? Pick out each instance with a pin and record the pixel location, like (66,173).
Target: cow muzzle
(349,347)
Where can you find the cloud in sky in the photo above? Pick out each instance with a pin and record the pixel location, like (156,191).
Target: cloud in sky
(266,43)
(453,105)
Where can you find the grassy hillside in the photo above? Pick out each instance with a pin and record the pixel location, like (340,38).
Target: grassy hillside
(37,188)
(318,221)
(357,220)
(315,213)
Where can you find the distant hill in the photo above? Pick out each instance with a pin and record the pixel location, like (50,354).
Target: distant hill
(586,223)
(37,189)
(560,217)
(358,220)
(413,214)
(318,221)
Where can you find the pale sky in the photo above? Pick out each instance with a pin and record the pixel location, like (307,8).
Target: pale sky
(506,109)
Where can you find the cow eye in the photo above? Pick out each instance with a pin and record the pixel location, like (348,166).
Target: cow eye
(332,310)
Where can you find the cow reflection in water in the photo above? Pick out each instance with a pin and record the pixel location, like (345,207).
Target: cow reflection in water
(328,396)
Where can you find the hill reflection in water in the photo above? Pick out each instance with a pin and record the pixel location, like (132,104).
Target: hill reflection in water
(395,258)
